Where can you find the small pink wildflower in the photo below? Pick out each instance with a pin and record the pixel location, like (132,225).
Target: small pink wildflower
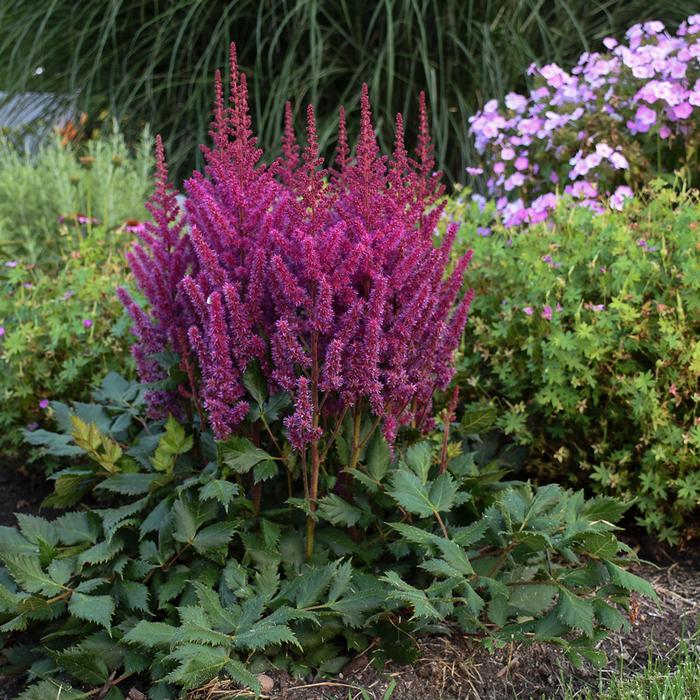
(44,404)
(87,323)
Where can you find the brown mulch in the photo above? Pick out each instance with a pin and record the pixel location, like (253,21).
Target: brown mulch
(457,668)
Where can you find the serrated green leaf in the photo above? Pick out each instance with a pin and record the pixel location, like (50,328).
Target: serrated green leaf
(264,471)
(255,384)
(241,455)
(219,490)
(128,484)
(416,598)
(239,673)
(197,664)
(37,530)
(630,581)
(378,457)
(93,608)
(214,536)
(50,690)
(609,617)
(443,492)
(27,572)
(77,528)
(135,595)
(84,666)
(532,599)
(338,511)
(150,634)
(576,612)
(419,458)
(478,419)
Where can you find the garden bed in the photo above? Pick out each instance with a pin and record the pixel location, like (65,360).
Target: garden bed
(457,668)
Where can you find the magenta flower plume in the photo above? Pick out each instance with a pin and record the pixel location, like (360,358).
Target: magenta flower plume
(328,277)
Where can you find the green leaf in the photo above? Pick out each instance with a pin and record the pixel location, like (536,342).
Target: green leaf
(37,530)
(239,673)
(150,634)
(84,666)
(600,545)
(255,383)
(313,583)
(241,455)
(27,572)
(93,608)
(219,490)
(264,471)
(378,457)
(50,690)
(214,536)
(576,612)
(77,528)
(411,493)
(477,420)
(417,599)
(129,484)
(414,534)
(533,599)
(338,511)
(197,664)
(185,521)
(135,595)
(604,508)
(630,582)
(419,458)
(443,492)
(609,617)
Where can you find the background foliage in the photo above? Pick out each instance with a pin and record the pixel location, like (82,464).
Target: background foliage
(61,330)
(153,61)
(585,333)
(100,178)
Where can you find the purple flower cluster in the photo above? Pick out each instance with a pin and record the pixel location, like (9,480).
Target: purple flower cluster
(158,262)
(328,278)
(587,132)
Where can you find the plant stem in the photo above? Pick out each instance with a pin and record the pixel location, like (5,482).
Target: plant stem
(315,454)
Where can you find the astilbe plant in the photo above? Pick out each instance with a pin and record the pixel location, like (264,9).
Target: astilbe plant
(327,279)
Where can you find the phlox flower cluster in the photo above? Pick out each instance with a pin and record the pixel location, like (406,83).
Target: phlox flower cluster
(592,132)
(328,278)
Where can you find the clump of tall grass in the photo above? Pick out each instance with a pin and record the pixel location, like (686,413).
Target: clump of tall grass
(152,61)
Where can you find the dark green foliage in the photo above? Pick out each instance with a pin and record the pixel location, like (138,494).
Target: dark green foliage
(605,394)
(153,61)
(175,574)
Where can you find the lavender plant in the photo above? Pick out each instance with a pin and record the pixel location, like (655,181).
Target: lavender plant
(599,132)
(327,279)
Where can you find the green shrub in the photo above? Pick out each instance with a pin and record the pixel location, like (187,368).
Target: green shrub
(58,334)
(586,332)
(180,574)
(101,179)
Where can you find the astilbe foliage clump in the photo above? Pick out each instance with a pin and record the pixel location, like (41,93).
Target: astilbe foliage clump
(327,279)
